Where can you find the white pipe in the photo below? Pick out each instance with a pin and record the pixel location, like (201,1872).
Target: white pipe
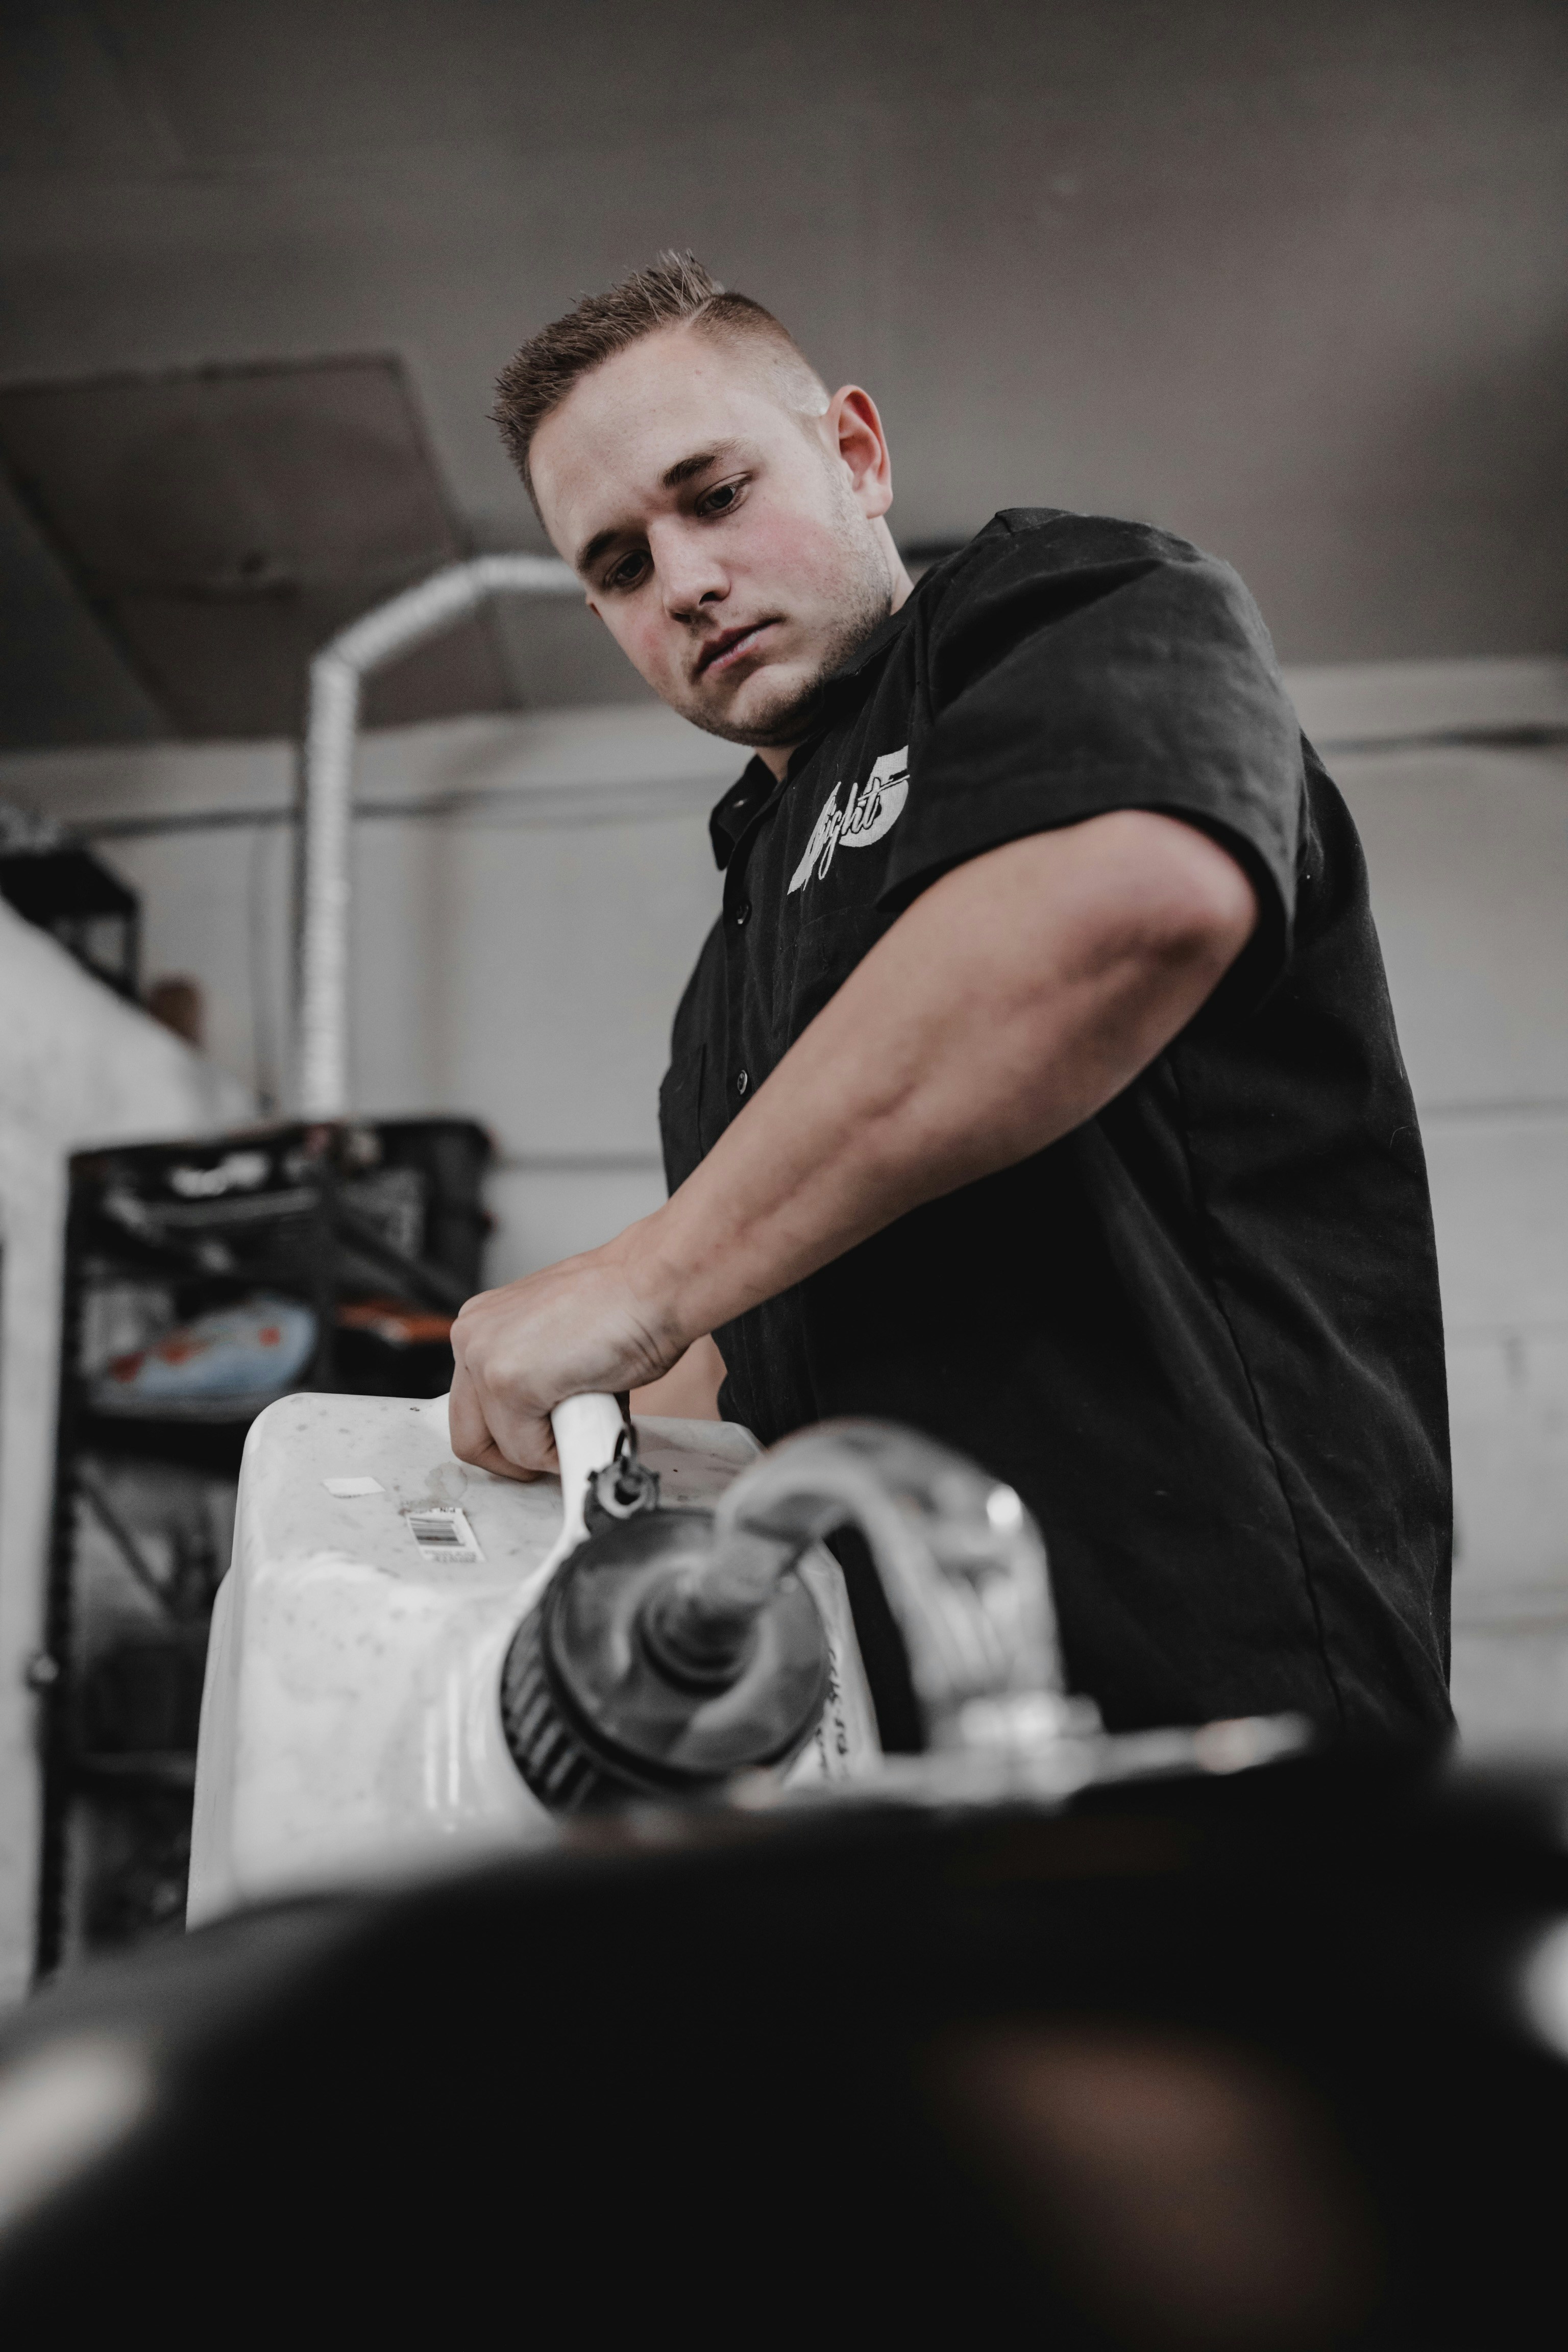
(376,639)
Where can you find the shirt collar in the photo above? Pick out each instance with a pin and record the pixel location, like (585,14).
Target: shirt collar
(757,787)
(745,798)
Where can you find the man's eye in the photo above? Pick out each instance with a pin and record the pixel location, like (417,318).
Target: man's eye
(627,572)
(720,497)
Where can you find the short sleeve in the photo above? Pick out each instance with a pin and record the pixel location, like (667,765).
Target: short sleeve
(1072,678)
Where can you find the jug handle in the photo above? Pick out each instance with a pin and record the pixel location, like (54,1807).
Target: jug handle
(587,1430)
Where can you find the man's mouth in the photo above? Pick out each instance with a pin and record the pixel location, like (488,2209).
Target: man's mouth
(730,646)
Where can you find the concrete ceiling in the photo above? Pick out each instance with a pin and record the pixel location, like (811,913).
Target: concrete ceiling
(223,522)
(1287,277)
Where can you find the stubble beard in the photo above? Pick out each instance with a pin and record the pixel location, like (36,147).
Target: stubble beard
(792,713)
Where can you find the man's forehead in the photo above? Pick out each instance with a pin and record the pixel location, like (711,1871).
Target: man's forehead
(637,426)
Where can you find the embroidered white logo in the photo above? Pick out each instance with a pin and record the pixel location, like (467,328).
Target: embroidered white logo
(871,810)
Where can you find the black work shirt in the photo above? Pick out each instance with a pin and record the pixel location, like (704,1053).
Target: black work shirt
(1200,1334)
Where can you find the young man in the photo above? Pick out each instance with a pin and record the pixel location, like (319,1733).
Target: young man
(1037,1085)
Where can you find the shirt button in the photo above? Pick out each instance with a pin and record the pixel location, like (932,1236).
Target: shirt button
(743,1082)
(742,911)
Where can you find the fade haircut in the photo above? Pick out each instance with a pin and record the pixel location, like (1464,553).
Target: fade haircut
(676,292)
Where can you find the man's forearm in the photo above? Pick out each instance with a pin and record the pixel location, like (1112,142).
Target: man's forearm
(1012,1001)
(1014,997)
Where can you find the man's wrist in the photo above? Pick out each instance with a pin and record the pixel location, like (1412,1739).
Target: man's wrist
(662,1287)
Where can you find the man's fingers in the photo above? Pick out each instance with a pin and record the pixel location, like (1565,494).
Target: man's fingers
(465,1418)
(495,1461)
(512,1445)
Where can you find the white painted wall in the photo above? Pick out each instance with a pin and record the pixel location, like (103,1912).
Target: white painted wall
(528,897)
(530,892)
(78,1066)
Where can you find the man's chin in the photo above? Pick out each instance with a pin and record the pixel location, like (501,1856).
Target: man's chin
(764,711)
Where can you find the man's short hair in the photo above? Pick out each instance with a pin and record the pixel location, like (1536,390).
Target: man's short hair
(676,291)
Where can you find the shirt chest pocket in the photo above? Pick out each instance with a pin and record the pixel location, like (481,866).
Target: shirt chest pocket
(814,964)
(690,1119)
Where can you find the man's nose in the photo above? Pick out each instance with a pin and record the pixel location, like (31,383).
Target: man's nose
(689,572)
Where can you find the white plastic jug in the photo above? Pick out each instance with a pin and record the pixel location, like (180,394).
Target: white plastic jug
(350,1721)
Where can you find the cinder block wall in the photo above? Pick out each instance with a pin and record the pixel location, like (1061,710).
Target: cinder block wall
(1468,844)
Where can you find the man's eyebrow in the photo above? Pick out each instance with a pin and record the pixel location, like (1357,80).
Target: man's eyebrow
(596,547)
(685,469)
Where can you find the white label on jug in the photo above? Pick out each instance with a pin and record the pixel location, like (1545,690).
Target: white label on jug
(444,1534)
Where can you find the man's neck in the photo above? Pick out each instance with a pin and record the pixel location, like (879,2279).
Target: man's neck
(777,757)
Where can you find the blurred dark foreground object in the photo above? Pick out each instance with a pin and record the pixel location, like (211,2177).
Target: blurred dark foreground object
(1269,2061)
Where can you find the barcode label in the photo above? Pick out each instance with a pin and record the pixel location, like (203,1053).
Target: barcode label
(443,1534)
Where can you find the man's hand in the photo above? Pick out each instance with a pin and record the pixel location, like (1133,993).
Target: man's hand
(576,1329)
(1010,1003)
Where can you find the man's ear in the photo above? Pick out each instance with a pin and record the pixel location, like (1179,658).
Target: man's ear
(854,424)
